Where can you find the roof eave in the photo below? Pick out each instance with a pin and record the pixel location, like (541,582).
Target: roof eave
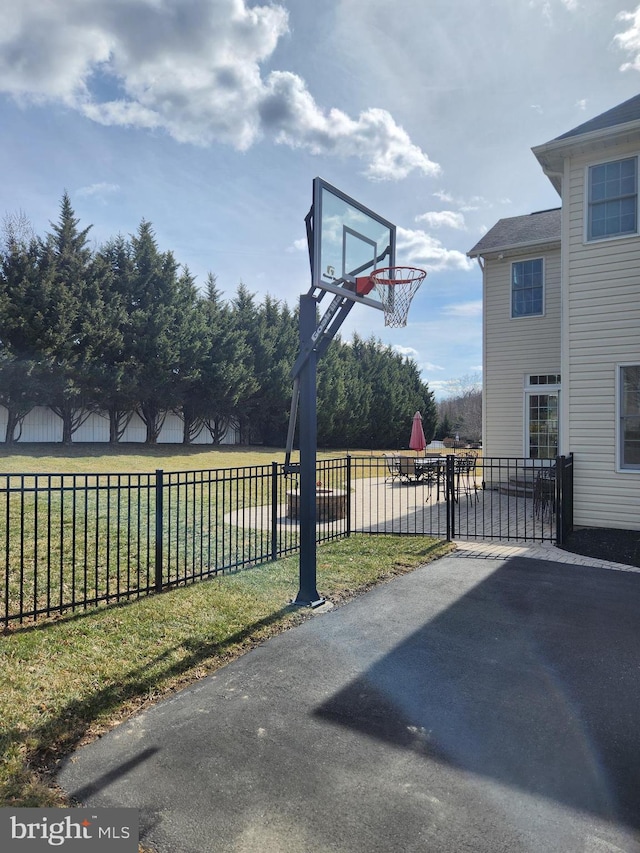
(511,247)
(551,154)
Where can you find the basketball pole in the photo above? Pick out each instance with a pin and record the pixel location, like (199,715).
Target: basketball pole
(308,593)
(366,241)
(314,339)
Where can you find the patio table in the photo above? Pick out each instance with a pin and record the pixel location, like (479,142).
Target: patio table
(431,469)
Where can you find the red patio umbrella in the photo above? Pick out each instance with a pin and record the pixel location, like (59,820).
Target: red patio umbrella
(417,441)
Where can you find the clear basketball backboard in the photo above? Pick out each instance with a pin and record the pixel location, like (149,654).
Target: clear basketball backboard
(349,240)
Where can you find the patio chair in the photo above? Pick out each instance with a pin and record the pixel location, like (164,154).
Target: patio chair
(544,494)
(439,475)
(393,467)
(407,469)
(465,480)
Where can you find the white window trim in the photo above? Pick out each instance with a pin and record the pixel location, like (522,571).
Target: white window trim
(544,288)
(618,426)
(539,389)
(589,241)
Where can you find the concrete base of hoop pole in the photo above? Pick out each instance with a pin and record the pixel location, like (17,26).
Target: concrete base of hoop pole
(308,595)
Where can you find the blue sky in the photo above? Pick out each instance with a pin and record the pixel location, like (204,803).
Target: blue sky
(210,118)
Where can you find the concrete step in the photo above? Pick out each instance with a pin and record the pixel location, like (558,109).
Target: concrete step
(518,491)
(519,485)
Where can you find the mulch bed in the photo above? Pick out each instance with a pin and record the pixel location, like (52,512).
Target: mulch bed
(606,543)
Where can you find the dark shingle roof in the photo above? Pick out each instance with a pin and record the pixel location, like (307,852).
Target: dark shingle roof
(534,228)
(623,113)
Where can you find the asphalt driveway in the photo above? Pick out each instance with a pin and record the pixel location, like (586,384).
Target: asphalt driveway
(477,705)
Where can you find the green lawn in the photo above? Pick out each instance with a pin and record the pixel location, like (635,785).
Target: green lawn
(81,519)
(67,680)
(102,458)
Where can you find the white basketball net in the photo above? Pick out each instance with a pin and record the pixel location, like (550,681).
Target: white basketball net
(396,287)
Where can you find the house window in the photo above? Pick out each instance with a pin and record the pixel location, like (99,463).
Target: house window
(543,426)
(545,379)
(613,199)
(542,415)
(527,288)
(629,408)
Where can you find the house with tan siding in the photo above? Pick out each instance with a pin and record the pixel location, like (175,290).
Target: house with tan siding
(561,327)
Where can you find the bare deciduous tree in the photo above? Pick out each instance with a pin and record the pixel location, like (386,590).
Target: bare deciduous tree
(463,407)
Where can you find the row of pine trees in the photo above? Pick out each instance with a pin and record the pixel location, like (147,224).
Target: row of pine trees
(124,329)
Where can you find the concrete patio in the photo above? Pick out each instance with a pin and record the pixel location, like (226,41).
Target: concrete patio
(380,506)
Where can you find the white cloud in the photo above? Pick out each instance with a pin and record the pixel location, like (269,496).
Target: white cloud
(546,8)
(419,248)
(100,190)
(300,245)
(192,68)
(444,196)
(442,218)
(440,387)
(464,309)
(581,104)
(475,202)
(409,352)
(548,5)
(288,109)
(629,40)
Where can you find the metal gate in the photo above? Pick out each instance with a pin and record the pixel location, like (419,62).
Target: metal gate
(463,496)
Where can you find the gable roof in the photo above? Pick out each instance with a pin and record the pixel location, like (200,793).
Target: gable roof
(622,114)
(607,129)
(542,226)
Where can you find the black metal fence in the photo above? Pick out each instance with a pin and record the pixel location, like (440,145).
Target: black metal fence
(73,541)
(463,496)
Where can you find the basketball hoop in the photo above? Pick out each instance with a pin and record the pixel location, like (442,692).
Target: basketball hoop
(396,287)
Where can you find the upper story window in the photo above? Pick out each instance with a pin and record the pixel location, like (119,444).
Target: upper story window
(613,199)
(527,288)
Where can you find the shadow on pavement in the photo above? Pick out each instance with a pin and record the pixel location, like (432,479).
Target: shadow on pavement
(531,678)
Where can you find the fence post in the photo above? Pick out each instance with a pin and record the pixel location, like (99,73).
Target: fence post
(559,463)
(568,499)
(348,531)
(449,494)
(159,517)
(564,497)
(274,511)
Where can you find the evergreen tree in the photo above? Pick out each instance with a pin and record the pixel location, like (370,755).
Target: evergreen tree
(224,377)
(191,336)
(276,353)
(367,396)
(26,325)
(344,399)
(246,322)
(75,288)
(360,395)
(445,428)
(151,338)
(122,330)
(333,399)
(117,391)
